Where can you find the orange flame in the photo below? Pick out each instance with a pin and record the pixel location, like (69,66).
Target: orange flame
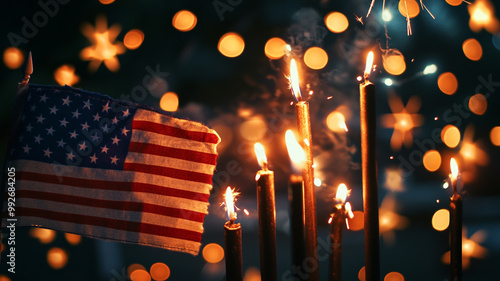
(260,152)
(454,169)
(229,197)
(295,151)
(342,192)
(294,80)
(369,64)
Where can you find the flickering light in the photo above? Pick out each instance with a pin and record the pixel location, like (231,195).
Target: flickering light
(342,192)
(57,258)
(441,219)
(394,63)
(369,64)
(335,121)
(432,160)
(73,239)
(454,169)
(294,80)
(387,15)
(253,129)
(410,7)
(231,45)
(275,48)
(430,69)
(336,22)
(44,235)
(495,136)
(13,57)
(133,39)
(131,268)
(140,275)
(388,82)
(184,20)
(229,199)
(315,58)
(394,276)
(450,135)
(169,102)
(447,83)
(260,152)
(472,49)
(478,104)
(65,75)
(159,271)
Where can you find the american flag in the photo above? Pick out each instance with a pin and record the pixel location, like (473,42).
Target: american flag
(109,169)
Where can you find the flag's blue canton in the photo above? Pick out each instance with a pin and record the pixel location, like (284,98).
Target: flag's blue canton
(67,126)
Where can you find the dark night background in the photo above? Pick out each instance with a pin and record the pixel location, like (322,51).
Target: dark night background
(224,93)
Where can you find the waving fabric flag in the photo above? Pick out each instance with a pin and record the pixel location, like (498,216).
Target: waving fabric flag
(103,168)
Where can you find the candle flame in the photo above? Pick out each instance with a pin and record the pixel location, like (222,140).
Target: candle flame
(348,210)
(294,80)
(229,197)
(295,151)
(369,64)
(260,152)
(454,169)
(342,192)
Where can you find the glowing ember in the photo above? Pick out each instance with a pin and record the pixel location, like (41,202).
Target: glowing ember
(294,80)
(261,154)
(103,49)
(229,198)
(295,151)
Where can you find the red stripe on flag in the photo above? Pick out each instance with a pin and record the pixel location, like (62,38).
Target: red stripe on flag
(116,205)
(174,132)
(178,153)
(168,172)
(113,185)
(139,227)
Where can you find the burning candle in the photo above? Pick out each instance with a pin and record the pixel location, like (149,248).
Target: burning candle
(455,225)
(232,241)
(304,125)
(369,173)
(337,219)
(267,216)
(295,196)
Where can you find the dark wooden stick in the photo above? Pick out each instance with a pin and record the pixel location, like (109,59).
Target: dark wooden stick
(456,237)
(233,253)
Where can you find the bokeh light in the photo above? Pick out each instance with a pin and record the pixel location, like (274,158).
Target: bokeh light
(133,39)
(454,2)
(4,278)
(159,271)
(472,49)
(450,135)
(315,58)
(73,239)
(495,136)
(394,276)
(430,69)
(252,274)
(432,160)
(13,58)
(231,45)
(44,235)
(65,75)
(57,258)
(335,121)
(394,62)
(482,16)
(184,20)
(131,268)
(226,136)
(411,6)
(336,22)
(386,15)
(441,219)
(275,48)
(388,82)
(253,129)
(478,104)
(362,274)
(213,253)
(140,275)
(106,2)
(447,83)
(169,102)
(357,222)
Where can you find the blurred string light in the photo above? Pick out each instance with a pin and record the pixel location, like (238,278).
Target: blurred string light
(450,135)
(231,45)
(57,258)
(441,219)
(140,275)
(482,15)
(315,58)
(495,135)
(13,58)
(472,49)
(133,39)
(336,22)
(65,75)
(159,271)
(43,235)
(213,253)
(386,15)
(169,102)
(393,62)
(184,20)
(478,104)
(430,69)
(432,160)
(447,83)
(402,120)
(275,48)
(470,248)
(388,82)
(103,48)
